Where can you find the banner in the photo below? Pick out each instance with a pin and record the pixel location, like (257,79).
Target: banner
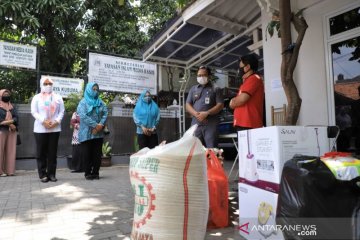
(66,86)
(17,55)
(121,74)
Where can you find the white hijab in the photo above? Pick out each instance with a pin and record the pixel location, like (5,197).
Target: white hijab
(44,88)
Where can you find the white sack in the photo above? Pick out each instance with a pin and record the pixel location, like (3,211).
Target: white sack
(171,191)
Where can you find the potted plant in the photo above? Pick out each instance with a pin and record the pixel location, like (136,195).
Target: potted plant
(106,155)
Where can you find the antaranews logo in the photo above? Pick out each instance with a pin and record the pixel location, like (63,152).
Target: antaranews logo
(244,228)
(300,229)
(307,230)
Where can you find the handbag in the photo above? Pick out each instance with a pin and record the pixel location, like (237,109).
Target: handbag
(18,139)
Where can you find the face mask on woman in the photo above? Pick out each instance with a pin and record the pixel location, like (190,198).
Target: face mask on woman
(147,99)
(5,98)
(94,94)
(48,88)
(202,80)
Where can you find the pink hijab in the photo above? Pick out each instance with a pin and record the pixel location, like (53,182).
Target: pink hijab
(7,106)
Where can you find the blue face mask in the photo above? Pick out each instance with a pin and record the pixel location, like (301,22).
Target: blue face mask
(94,94)
(147,99)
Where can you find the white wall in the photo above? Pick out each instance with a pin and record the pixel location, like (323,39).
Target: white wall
(272,62)
(310,74)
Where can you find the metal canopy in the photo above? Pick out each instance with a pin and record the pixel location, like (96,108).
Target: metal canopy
(209,32)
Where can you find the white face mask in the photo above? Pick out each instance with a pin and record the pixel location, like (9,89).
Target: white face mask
(202,80)
(48,88)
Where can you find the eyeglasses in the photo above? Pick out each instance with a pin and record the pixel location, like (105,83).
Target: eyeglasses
(46,84)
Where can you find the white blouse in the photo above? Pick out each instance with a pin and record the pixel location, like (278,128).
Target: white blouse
(51,108)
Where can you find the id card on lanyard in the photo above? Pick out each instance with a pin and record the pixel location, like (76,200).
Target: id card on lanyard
(207,100)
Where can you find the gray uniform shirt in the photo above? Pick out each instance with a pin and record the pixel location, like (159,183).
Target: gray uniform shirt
(204,98)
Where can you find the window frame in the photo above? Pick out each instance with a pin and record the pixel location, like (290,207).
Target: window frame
(328,42)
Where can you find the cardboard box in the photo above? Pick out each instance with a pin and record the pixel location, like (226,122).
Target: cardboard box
(257,212)
(263,151)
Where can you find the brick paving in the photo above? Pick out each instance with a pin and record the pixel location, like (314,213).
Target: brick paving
(72,208)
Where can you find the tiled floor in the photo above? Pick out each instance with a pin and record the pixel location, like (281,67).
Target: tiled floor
(72,208)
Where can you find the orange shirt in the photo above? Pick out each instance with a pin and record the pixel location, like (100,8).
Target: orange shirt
(251,113)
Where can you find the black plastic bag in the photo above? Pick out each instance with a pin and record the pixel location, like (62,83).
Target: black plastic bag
(311,195)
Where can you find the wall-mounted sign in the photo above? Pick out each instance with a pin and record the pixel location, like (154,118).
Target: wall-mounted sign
(66,86)
(17,55)
(121,74)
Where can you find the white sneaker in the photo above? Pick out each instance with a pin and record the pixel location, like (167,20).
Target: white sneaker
(3,175)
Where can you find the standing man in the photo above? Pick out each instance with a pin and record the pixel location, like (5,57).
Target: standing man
(248,105)
(204,102)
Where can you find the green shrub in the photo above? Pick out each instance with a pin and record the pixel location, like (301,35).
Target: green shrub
(106,149)
(72,101)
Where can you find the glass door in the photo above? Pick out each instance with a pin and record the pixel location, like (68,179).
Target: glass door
(346,80)
(344,42)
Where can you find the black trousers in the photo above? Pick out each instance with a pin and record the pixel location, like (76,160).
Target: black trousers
(77,163)
(147,141)
(91,154)
(46,153)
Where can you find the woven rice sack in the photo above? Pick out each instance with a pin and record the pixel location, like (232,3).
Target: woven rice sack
(171,191)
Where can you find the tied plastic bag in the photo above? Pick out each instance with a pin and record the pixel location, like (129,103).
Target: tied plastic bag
(218,192)
(310,195)
(171,190)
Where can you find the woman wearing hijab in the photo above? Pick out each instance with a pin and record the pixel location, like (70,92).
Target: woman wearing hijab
(146,117)
(93,114)
(48,109)
(8,128)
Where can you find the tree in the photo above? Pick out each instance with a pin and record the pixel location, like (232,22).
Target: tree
(281,21)
(25,86)
(66,29)
(151,18)
(53,26)
(343,22)
(290,53)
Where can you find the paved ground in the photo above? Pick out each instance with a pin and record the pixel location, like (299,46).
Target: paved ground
(72,208)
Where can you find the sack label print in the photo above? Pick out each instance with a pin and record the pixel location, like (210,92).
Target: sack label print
(150,164)
(143,199)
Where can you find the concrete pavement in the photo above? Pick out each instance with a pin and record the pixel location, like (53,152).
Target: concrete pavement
(72,208)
